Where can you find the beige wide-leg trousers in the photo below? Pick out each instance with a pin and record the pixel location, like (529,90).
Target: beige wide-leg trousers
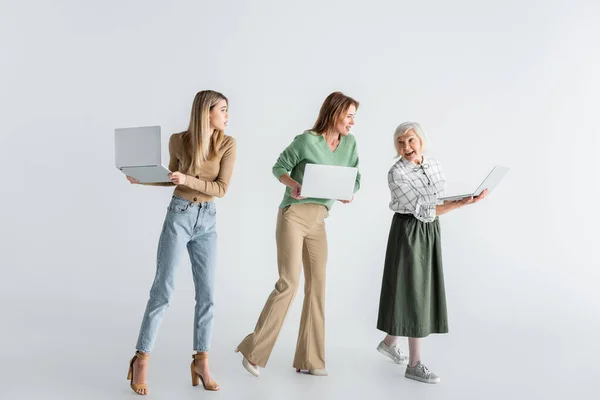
(301,240)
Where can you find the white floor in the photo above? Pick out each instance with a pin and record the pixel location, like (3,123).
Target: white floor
(56,358)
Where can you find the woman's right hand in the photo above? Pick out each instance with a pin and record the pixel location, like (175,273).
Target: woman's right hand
(133,181)
(296,190)
(292,184)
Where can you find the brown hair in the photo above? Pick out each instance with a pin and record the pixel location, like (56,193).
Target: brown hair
(336,104)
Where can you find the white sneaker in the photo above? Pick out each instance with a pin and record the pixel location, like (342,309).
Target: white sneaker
(420,373)
(392,352)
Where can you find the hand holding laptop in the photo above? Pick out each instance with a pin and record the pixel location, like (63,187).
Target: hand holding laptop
(482,196)
(346,201)
(176,177)
(469,200)
(293,185)
(297,194)
(296,191)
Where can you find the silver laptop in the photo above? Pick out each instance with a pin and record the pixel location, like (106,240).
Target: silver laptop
(489,183)
(328,182)
(138,154)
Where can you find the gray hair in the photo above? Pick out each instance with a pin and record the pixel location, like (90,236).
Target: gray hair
(405,126)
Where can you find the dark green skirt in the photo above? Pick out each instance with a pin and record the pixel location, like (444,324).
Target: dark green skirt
(413,298)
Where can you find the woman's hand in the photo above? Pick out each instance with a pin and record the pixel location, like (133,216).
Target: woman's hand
(296,189)
(471,200)
(463,202)
(481,196)
(456,204)
(346,201)
(133,181)
(178,178)
(292,184)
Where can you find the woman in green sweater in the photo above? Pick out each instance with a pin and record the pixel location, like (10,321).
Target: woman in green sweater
(302,239)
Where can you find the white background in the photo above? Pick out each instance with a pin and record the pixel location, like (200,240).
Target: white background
(513,83)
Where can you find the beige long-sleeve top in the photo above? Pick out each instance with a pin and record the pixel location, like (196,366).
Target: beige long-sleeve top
(211,179)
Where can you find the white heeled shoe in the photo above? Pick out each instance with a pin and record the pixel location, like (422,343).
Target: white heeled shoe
(253,369)
(315,372)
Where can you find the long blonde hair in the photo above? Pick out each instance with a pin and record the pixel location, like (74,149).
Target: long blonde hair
(336,104)
(200,142)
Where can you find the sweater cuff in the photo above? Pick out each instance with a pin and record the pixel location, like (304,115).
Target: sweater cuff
(279,172)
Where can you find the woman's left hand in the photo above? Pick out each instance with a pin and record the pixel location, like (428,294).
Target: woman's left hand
(178,178)
(480,197)
(346,201)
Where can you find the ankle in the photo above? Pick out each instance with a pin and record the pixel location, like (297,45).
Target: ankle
(201,363)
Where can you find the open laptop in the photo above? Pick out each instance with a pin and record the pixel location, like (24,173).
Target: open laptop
(328,182)
(489,183)
(138,154)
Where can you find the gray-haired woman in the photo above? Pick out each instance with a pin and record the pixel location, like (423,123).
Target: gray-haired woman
(413,298)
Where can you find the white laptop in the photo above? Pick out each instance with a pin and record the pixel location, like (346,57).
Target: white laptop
(328,182)
(138,154)
(489,183)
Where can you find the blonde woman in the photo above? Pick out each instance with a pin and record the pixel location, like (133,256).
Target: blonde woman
(302,239)
(413,297)
(202,159)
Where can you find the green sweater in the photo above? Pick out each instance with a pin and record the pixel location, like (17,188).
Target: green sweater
(311,148)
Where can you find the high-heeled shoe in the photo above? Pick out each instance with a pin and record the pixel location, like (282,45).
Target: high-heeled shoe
(315,372)
(253,369)
(139,388)
(196,377)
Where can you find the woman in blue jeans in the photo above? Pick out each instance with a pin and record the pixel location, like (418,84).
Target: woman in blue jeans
(202,158)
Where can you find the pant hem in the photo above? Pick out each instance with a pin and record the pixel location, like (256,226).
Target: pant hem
(142,350)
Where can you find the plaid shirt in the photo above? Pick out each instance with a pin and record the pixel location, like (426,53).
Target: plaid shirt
(415,189)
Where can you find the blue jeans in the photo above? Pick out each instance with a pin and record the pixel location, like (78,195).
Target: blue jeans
(191,225)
